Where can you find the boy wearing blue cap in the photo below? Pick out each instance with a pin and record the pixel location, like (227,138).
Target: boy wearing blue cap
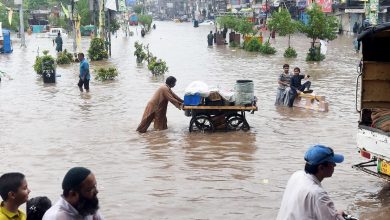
(304,197)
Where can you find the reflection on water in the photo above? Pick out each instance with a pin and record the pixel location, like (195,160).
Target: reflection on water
(172,174)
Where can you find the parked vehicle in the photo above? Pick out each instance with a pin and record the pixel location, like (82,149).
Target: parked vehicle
(88,30)
(373,139)
(207,23)
(53,32)
(133,20)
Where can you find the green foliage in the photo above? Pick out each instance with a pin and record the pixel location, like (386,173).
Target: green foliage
(252,45)
(114,25)
(97,50)
(45,62)
(138,9)
(290,53)
(266,48)
(234,44)
(83,10)
(157,66)
(139,52)
(315,54)
(14,26)
(228,21)
(319,26)
(64,57)
(145,20)
(37,4)
(282,23)
(106,74)
(58,22)
(241,25)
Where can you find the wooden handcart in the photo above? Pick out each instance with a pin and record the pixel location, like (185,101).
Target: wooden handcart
(211,118)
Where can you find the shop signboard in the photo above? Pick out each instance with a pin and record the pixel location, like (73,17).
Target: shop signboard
(326,5)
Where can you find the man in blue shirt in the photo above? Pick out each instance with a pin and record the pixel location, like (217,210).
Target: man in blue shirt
(84,73)
(297,86)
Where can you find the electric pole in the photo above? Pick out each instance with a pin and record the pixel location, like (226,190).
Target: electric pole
(74,27)
(21,25)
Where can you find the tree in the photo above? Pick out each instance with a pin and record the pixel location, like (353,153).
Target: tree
(15,17)
(282,23)
(37,4)
(138,9)
(83,10)
(319,26)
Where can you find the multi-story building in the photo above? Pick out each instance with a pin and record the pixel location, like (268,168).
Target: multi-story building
(354,13)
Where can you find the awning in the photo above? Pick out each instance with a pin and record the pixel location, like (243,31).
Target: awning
(373,30)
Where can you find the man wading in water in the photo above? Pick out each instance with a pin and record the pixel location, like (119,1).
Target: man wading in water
(156,110)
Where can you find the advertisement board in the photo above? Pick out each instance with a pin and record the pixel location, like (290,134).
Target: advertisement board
(326,5)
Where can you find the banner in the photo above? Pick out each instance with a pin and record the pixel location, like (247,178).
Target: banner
(66,12)
(78,34)
(326,5)
(10,12)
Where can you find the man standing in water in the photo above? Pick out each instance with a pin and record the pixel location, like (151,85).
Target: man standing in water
(79,199)
(304,197)
(210,38)
(283,88)
(296,85)
(84,73)
(58,41)
(156,109)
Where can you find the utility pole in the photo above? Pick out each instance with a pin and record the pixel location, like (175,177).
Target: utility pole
(266,14)
(74,28)
(21,25)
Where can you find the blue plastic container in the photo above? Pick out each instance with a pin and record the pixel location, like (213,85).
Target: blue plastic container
(192,99)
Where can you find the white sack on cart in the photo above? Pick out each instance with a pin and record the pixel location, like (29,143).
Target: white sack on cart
(197,87)
(227,95)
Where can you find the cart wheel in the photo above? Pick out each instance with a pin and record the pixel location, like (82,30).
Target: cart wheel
(237,122)
(201,123)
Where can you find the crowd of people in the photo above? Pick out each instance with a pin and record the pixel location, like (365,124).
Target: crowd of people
(290,85)
(304,197)
(78,201)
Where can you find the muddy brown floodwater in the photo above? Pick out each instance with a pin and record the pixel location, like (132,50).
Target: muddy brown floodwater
(172,174)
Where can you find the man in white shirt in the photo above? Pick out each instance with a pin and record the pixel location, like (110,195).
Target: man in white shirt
(304,198)
(79,200)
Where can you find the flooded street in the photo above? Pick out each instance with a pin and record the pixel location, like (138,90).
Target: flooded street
(172,174)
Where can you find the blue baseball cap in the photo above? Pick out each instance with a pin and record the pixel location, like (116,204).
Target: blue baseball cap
(318,154)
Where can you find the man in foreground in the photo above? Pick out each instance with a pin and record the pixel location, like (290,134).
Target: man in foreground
(79,200)
(304,197)
(156,110)
(14,192)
